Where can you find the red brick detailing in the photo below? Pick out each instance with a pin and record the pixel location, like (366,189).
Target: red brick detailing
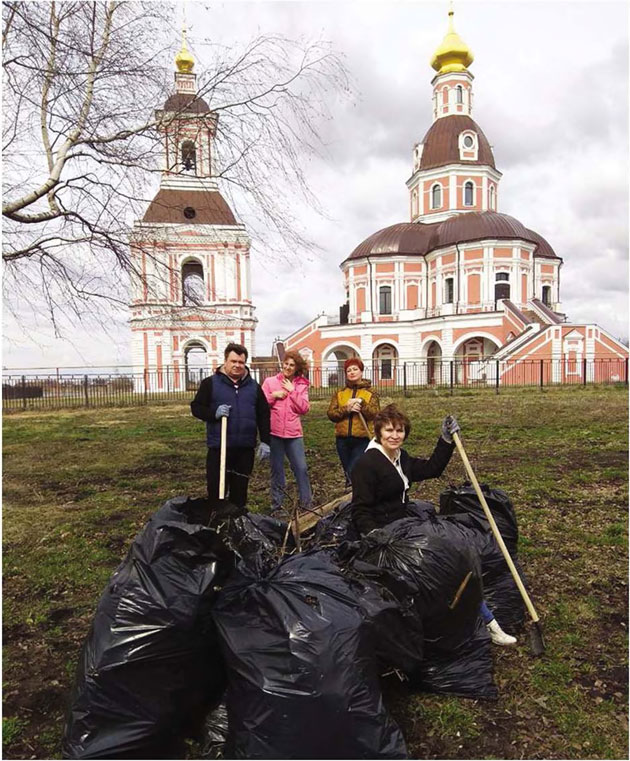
(502,253)
(145,342)
(412,297)
(238,277)
(471,254)
(388,267)
(474,289)
(176,372)
(360,300)
(158,361)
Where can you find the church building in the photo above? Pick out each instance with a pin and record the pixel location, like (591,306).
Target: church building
(460,280)
(191,294)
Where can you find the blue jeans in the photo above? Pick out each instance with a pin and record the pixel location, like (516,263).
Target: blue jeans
(486,614)
(349,449)
(294,451)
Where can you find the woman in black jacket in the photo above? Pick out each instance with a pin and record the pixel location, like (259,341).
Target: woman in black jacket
(382,475)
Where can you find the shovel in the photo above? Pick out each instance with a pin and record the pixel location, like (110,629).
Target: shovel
(536,641)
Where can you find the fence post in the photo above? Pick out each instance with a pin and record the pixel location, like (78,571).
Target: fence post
(146,384)
(584,370)
(451,363)
(626,371)
(542,372)
(405,378)
(24,391)
(497,379)
(85,391)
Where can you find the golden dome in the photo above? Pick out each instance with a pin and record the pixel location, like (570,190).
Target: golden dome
(183,60)
(453,54)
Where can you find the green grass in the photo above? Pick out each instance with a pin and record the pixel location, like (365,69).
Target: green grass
(79,485)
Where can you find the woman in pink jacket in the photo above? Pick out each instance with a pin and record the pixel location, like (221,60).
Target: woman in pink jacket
(287,394)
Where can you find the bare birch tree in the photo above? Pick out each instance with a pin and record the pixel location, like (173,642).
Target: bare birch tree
(81,82)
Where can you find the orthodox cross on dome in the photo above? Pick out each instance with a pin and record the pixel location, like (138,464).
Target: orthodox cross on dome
(452,54)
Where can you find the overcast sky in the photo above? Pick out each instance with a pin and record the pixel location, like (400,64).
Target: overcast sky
(551,95)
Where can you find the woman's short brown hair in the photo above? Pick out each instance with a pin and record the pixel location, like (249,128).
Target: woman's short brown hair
(301,365)
(391,414)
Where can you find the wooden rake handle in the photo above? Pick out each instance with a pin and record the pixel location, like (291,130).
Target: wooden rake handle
(365,425)
(223,457)
(495,529)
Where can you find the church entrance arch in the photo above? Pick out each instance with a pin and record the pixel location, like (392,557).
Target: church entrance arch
(434,363)
(473,367)
(384,360)
(195,363)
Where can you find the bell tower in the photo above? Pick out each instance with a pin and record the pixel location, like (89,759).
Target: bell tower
(191,290)
(453,167)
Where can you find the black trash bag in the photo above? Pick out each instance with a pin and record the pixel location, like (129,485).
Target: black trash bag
(151,666)
(464,499)
(251,534)
(215,733)
(462,505)
(421,510)
(302,676)
(336,527)
(393,624)
(444,579)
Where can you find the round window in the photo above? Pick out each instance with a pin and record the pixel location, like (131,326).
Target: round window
(189,212)
(468,141)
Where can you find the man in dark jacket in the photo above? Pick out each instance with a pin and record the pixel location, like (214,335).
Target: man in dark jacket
(232,393)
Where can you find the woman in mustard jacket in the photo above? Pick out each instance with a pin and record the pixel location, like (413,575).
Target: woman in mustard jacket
(351,436)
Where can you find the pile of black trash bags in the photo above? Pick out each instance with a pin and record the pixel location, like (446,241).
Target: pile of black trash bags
(205,631)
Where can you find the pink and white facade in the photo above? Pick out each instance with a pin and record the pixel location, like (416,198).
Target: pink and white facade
(460,280)
(192,291)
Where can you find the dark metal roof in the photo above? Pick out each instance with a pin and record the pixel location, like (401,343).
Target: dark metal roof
(421,238)
(544,249)
(403,238)
(209,208)
(441,143)
(183,103)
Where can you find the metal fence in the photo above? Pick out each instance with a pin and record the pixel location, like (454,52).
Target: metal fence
(34,391)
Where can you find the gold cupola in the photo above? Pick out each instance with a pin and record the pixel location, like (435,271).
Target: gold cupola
(183,60)
(453,54)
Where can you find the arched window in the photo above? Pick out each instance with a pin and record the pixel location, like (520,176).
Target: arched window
(436,196)
(385,299)
(469,194)
(546,295)
(460,94)
(189,157)
(193,286)
(491,200)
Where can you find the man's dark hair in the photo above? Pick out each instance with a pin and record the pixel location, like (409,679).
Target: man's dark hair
(237,349)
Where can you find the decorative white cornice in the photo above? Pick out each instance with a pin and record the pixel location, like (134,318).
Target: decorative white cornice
(435,173)
(170,181)
(179,234)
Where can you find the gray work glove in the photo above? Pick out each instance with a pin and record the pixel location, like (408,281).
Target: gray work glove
(223,410)
(263,452)
(449,427)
